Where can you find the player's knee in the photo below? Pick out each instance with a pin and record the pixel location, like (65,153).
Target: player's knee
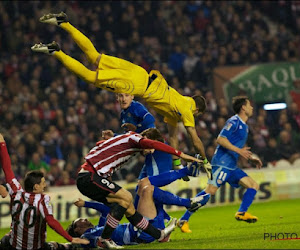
(143,183)
(254,185)
(126,199)
(147,190)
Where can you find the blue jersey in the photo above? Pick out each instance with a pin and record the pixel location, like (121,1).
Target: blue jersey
(138,115)
(124,234)
(236,131)
(156,163)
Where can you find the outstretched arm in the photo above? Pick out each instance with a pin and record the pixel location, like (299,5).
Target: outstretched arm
(196,141)
(55,225)
(146,143)
(5,161)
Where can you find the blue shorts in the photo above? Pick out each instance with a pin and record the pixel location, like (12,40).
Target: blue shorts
(223,175)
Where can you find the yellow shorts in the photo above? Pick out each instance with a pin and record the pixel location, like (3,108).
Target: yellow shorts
(120,76)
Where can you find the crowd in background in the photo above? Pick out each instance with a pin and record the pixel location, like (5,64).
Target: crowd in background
(50,118)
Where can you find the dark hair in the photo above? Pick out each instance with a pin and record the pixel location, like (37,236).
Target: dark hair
(32,178)
(71,230)
(153,134)
(238,102)
(200,103)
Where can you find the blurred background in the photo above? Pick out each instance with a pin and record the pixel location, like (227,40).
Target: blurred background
(50,118)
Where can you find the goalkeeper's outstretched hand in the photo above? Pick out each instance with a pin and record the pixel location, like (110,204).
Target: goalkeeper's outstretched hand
(207,166)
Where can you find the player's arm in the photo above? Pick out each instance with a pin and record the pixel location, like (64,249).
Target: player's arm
(196,141)
(147,143)
(5,161)
(224,142)
(55,225)
(95,205)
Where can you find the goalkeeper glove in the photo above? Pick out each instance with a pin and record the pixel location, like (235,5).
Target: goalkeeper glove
(206,165)
(177,165)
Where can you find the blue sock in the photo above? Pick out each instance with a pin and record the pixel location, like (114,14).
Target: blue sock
(187,213)
(247,199)
(166,178)
(168,198)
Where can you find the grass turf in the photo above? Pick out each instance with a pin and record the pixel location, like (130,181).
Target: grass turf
(216,228)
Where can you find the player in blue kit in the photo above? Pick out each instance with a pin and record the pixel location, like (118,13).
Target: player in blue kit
(134,115)
(150,205)
(231,144)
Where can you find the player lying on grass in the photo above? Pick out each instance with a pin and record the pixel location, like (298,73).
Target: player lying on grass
(30,208)
(94,179)
(150,205)
(231,144)
(120,76)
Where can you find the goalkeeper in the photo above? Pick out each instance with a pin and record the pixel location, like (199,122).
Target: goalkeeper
(120,76)
(231,144)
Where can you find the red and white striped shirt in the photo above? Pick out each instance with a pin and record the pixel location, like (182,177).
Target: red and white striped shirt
(29,210)
(108,156)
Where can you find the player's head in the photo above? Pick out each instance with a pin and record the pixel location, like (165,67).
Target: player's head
(200,105)
(241,104)
(35,182)
(78,227)
(124,99)
(152,134)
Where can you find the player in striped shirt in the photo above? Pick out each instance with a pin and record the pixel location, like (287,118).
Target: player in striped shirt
(94,179)
(121,76)
(30,208)
(150,205)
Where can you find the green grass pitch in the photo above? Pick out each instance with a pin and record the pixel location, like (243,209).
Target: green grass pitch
(216,228)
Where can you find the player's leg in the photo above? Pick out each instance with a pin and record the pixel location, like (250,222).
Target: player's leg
(148,208)
(166,178)
(212,187)
(80,39)
(70,63)
(100,189)
(248,197)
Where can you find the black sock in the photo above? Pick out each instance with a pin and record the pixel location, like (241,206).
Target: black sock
(140,222)
(112,221)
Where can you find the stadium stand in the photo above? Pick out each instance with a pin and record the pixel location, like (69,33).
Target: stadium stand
(50,118)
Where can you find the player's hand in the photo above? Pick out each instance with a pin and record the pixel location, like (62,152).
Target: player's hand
(79,202)
(3,191)
(107,134)
(189,158)
(1,138)
(80,241)
(245,152)
(256,161)
(208,169)
(128,127)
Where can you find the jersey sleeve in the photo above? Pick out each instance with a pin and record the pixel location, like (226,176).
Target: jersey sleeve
(12,183)
(5,163)
(145,117)
(146,143)
(228,129)
(188,119)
